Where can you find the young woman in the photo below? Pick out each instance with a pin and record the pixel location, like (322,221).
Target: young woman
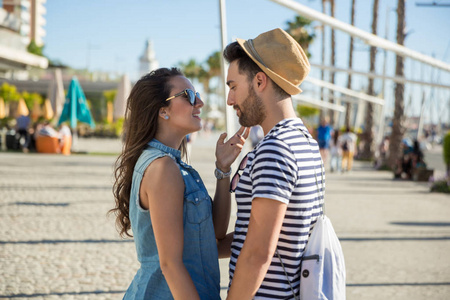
(163,200)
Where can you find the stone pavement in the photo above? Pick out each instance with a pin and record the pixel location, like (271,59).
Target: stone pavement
(57,243)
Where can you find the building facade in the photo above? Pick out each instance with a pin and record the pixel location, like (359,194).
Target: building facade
(31,17)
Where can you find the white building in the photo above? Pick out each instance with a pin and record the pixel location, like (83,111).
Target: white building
(20,22)
(31,17)
(147,61)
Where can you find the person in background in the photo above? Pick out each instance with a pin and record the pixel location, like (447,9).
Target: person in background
(324,137)
(335,152)
(383,153)
(47,130)
(65,136)
(22,124)
(348,144)
(163,200)
(256,134)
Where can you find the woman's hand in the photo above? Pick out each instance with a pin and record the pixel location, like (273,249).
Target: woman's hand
(227,152)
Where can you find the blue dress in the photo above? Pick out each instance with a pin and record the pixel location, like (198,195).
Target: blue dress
(200,249)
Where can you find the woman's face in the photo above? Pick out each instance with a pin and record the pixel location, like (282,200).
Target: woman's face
(183,117)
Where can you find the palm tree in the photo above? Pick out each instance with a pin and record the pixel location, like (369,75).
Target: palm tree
(395,151)
(368,125)
(300,30)
(350,65)
(195,71)
(191,69)
(214,70)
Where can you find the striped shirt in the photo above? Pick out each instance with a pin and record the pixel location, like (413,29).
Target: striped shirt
(281,167)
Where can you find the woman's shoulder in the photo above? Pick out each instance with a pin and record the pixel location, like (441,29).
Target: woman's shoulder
(148,156)
(162,169)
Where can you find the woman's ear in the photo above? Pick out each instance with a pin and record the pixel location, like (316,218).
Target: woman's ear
(163,114)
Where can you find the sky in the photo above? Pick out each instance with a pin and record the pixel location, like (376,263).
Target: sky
(110,35)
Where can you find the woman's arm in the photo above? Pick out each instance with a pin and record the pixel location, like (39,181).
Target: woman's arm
(162,192)
(224,245)
(226,154)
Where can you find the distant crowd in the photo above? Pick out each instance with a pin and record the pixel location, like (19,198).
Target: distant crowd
(39,136)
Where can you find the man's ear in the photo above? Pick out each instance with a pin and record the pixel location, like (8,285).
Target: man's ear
(260,81)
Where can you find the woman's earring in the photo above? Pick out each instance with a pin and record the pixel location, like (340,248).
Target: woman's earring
(166,117)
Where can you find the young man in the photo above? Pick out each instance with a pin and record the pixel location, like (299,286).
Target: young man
(277,196)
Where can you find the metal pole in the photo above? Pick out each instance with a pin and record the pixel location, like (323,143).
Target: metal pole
(229,112)
(383,88)
(373,75)
(345,91)
(368,38)
(420,126)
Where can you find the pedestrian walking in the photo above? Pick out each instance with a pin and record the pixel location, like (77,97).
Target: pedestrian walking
(324,132)
(163,200)
(278,201)
(22,124)
(348,144)
(335,152)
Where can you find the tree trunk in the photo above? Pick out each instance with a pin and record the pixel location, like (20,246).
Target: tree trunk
(333,62)
(368,124)
(350,66)
(395,149)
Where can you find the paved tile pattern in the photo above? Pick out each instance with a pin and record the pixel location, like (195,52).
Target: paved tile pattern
(56,241)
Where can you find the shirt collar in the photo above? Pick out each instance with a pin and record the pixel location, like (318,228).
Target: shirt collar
(171,151)
(296,122)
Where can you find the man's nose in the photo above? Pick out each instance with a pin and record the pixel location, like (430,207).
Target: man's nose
(230,100)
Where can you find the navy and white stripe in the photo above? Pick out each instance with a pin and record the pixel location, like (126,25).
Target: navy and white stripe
(282,167)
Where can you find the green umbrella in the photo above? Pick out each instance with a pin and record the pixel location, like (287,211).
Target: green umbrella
(76,108)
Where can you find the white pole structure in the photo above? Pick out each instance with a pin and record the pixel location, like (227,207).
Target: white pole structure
(319,103)
(421,118)
(378,76)
(345,91)
(229,112)
(368,38)
(383,88)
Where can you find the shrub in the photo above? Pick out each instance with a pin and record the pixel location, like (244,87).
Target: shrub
(446,151)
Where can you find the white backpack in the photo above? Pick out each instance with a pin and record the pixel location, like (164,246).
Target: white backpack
(322,271)
(323,267)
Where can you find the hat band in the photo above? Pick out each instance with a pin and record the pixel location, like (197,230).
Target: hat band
(254,53)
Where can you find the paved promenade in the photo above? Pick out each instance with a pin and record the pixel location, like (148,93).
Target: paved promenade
(57,243)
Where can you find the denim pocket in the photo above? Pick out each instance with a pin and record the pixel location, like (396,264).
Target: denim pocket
(198,207)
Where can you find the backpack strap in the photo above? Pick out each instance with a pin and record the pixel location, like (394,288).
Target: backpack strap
(322,206)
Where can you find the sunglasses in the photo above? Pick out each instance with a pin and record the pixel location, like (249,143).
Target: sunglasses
(190,95)
(237,176)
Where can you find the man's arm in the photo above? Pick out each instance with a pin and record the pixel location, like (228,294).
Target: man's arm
(266,219)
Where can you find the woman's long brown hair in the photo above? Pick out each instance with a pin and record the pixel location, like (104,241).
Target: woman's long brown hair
(141,124)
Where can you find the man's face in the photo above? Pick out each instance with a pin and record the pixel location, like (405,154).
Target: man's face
(242,96)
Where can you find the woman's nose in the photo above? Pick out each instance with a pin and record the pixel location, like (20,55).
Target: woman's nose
(199,102)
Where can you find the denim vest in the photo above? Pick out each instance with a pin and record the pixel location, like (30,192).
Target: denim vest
(200,249)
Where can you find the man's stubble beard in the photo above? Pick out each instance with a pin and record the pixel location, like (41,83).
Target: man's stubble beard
(253,111)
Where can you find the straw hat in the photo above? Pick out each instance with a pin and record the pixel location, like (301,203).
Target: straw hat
(280,57)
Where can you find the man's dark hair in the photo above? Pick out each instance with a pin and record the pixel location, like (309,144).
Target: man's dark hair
(234,52)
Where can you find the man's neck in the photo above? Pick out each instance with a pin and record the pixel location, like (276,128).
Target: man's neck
(276,111)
